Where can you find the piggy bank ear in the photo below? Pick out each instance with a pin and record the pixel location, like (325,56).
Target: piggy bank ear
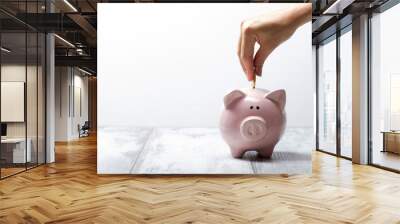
(232,97)
(278,97)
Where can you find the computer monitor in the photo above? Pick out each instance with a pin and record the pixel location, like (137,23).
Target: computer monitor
(3,129)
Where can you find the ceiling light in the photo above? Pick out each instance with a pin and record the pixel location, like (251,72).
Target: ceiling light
(84,71)
(338,6)
(5,50)
(70,5)
(79,51)
(65,41)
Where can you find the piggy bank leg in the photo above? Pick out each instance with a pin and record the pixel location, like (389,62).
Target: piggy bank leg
(266,152)
(237,153)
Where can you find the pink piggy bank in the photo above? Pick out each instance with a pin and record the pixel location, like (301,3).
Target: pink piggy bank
(253,120)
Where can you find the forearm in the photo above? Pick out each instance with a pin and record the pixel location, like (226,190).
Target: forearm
(299,15)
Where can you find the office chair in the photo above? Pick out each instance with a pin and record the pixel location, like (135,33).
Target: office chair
(84,130)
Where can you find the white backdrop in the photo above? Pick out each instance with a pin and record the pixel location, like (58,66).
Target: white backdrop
(169,65)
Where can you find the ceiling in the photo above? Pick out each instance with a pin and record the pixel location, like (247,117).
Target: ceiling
(329,16)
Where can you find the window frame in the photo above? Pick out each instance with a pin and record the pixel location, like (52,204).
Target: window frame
(334,37)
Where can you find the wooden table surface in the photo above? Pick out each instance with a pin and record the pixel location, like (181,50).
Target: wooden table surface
(124,150)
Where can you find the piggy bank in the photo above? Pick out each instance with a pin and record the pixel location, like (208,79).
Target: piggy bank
(253,120)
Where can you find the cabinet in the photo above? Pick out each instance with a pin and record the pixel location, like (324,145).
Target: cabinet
(391,141)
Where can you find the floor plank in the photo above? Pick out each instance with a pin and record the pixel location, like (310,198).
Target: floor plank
(292,154)
(120,147)
(189,151)
(387,159)
(70,191)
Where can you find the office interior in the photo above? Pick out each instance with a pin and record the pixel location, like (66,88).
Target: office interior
(48,76)
(48,111)
(48,81)
(367,79)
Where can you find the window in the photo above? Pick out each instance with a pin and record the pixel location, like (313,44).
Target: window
(346,93)
(327,96)
(385,89)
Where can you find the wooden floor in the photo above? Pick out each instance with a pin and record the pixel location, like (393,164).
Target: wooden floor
(387,159)
(10,171)
(70,191)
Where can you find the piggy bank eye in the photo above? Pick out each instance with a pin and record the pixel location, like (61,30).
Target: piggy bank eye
(258,107)
(251,107)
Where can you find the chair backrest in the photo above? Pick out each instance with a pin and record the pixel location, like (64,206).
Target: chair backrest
(86,124)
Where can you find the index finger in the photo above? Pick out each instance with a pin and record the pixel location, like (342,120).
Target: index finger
(247,52)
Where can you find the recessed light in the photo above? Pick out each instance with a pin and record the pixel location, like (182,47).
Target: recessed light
(84,71)
(64,40)
(5,50)
(337,7)
(70,5)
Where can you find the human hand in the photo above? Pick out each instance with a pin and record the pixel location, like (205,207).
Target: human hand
(269,31)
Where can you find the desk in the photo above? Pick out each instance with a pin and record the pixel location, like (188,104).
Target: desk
(391,141)
(15,148)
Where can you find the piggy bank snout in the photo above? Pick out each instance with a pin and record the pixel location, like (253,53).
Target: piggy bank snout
(253,128)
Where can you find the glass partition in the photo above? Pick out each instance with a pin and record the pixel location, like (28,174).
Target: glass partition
(385,89)
(41,91)
(14,155)
(32,94)
(22,77)
(327,96)
(346,93)
(35,62)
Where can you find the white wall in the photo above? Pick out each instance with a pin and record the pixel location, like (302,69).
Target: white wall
(171,64)
(18,73)
(80,83)
(67,80)
(61,103)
